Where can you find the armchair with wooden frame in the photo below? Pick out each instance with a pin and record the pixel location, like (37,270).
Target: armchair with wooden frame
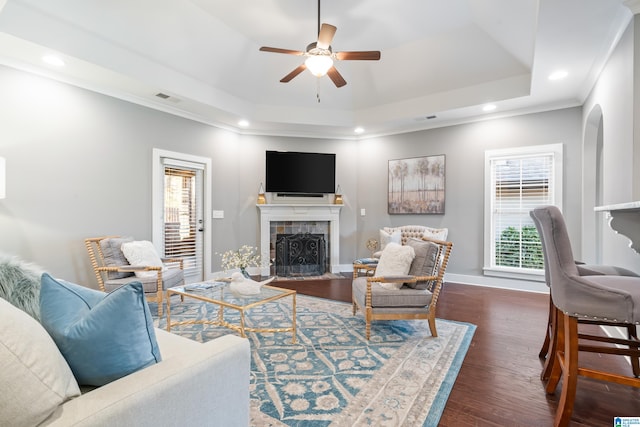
(417,295)
(112,269)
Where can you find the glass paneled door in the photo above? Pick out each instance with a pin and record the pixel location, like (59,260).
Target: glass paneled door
(183,221)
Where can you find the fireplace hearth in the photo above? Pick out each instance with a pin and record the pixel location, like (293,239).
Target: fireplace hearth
(300,254)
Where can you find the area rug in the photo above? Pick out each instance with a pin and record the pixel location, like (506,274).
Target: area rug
(333,376)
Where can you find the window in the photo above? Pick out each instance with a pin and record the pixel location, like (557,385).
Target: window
(516,181)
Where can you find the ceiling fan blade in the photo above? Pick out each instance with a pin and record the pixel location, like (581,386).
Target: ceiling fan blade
(336,77)
(294,73)
(278,50)
(325,36)
(368,55)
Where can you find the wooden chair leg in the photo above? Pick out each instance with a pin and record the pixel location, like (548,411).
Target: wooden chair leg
(160,300)
(555,371)
(432,325)
(569,372)
(632,334)
(552,332)
(544,351)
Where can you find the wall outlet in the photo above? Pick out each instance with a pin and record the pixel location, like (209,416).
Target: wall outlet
(363,212)
(217,214)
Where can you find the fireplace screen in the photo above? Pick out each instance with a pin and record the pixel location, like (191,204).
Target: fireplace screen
(301,254)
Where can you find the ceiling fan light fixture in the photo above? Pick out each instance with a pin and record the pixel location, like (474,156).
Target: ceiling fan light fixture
(318,65)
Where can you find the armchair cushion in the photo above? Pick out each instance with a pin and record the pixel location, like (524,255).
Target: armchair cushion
(102,336)
(385,297)
(113,256)
(395,261)
(142,253)
(34,377)
(170,278)
(424,264)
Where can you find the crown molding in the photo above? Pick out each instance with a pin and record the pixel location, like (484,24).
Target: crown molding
(633,5)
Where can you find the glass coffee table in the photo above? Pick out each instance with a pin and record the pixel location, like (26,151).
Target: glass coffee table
(219,293)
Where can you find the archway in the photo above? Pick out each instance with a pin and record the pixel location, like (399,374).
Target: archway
(592,182)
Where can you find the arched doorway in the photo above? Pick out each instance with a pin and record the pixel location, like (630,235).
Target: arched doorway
(592,182)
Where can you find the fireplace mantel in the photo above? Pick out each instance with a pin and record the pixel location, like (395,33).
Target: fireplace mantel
(300,212)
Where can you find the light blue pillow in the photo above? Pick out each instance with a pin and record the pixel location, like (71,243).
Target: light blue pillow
(102,336)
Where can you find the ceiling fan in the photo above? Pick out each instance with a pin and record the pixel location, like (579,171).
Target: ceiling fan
(320,56)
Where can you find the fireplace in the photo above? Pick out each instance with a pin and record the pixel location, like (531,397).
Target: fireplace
(277,219)
(300,254)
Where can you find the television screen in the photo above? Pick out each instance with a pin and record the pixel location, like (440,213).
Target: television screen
(291,172)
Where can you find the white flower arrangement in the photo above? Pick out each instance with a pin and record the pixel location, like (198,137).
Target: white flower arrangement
(244,257)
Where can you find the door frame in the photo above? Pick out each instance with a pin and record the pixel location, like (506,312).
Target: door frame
(157,198)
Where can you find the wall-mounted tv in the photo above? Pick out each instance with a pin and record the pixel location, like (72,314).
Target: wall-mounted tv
(298,173)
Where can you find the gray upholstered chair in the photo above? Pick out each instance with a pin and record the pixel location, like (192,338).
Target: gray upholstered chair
(112,269)
(418,291)
(604,299)
(549,344)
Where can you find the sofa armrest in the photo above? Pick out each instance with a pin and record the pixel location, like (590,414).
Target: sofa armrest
(205,384)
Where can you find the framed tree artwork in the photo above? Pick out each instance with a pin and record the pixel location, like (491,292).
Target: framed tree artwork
(416,185)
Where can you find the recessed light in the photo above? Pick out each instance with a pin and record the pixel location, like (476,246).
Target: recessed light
(489,107)
(558,75)
(243,123)
(359,130)
(54,60)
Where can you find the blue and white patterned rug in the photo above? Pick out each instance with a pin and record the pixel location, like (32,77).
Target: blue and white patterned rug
(332,376)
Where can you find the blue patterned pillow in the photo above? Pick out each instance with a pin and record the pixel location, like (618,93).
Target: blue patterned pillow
(102,336)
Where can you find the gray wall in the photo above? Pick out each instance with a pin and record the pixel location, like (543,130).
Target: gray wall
(464,147)
(79,164)
(616,102)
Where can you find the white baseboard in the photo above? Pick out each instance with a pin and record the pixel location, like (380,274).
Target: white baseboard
(497,282)
(491,282)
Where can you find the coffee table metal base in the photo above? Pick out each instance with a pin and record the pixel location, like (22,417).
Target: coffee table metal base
(242,329)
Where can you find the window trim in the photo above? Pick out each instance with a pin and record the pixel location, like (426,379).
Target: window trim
(557,181)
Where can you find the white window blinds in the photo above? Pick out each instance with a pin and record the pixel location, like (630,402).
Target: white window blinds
(180,217)
(520,180)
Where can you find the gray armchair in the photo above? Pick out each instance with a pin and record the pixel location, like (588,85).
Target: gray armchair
(418,292)
(112,269)
(605,299)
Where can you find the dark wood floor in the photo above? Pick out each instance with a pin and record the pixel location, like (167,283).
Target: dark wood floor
(499,382)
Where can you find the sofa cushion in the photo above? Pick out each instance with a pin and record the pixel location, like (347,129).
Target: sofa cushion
(142,253)
(113,256)
(424,263)
(20,284)
(102,336)
(395,261)
(34,377)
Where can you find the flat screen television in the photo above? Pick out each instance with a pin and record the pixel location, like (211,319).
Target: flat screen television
(297,173)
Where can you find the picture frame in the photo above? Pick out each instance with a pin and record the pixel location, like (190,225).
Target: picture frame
(417,185)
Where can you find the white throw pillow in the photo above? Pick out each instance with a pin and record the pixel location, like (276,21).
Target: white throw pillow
(386,238)
(436,233)
(395,260)
(35,378)
(142,253)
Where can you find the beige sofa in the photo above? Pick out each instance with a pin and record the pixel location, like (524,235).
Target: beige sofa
(195,384)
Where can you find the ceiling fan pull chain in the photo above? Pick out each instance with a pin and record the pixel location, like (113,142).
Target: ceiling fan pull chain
(318,90)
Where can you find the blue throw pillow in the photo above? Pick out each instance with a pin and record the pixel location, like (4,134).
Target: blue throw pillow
(102,336)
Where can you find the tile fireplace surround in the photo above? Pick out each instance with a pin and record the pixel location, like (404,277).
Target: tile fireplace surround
(300,213)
